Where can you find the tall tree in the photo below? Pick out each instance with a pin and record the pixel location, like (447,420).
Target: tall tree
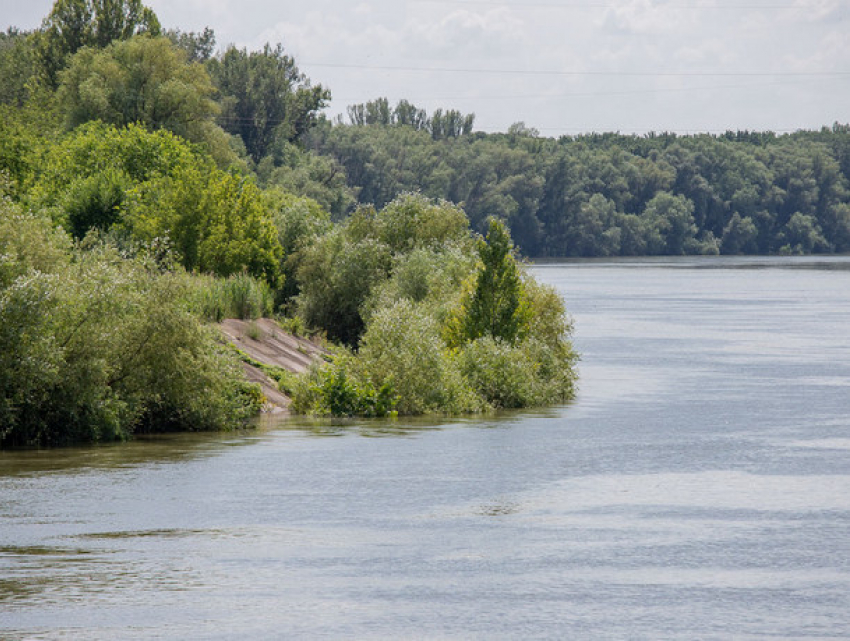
(265,97)
(74,24)
(144,80)
(496,307)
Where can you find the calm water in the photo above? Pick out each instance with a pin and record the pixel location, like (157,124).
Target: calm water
(699,488)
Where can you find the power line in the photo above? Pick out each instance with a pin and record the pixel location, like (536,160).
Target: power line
(600,5)
(541,72)
(598,94)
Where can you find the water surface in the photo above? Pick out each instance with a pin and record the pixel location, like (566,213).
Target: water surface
(698,488)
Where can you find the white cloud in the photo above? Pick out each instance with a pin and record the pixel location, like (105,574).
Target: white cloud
(644,17)
(462,33)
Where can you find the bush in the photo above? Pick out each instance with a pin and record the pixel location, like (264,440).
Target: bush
(329,390)
(105,347)
(527,374)
(402,346)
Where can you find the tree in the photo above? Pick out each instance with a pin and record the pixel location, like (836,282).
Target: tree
(74,24)
(803,235)
(595,231)
(336,275)
(495,307)
(84,178)
(265,97)
(142,80)
(16,67)
(219,223)
(199,47)
(739,235)
(670,224)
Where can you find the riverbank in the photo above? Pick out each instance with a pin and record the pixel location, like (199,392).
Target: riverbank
(265,342)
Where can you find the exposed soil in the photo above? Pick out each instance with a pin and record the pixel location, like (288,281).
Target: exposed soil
(264,341)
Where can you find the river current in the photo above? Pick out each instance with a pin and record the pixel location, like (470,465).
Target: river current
(697,488)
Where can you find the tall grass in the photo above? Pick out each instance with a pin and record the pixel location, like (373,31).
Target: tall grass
(238,296)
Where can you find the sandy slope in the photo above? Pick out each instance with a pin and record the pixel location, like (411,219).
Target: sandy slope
(272,346)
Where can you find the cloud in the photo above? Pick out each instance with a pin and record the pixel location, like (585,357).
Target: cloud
(494,33)
(817,11)
(643,17)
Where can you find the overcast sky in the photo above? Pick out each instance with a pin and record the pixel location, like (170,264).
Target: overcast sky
(560,66)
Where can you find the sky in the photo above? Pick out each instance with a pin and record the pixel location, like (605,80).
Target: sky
(563,67)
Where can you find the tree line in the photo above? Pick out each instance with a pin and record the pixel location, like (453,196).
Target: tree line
(611,194)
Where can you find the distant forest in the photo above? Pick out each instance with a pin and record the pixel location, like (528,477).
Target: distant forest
(257,115)
(609,194)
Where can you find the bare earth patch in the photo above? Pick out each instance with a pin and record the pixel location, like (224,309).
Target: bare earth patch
(264,341)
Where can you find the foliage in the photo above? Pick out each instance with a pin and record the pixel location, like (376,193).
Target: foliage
(75,24)
(441,125)
(265,97)
(609,194)
(17,66)
(329,391)
(412,220)
(199,47)
(525,374)
(336,274)
(339,272)
(402,347)
(299,222)
(217,221)
(237,296)
(29,243)
(305,173)
(84,178)
(82,358)
(446,332)
(495,306)
(142,80)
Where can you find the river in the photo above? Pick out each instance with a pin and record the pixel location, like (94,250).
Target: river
(698,488)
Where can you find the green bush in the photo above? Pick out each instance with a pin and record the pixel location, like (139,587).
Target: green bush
(330,390)
(402,346)
(526,374)
(101,347)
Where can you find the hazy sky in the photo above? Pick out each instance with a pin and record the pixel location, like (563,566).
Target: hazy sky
(561,66)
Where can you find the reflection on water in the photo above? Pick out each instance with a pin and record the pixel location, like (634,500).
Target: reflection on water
(699,487)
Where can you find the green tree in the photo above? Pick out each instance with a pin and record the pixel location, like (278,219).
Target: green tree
(219,223)
(595,230)
(306,173)
(95,346)
(264,97)
(495,307)
(142,80)
(16,66)
(83,179)
(803,235)
(402,348)
(336,275)
(74,24)
(670,222)
(199,47)
(740,235)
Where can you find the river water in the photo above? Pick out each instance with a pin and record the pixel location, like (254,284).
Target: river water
(698,488)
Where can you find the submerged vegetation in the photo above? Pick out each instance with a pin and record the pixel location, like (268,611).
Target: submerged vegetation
(151,187)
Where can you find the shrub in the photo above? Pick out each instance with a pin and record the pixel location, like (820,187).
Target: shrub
(402,346)
(526,374)
(108,346)
(330,390)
